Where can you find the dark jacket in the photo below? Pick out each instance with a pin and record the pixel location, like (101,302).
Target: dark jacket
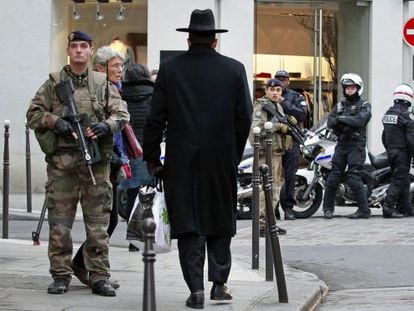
(349,121)
(202,99)
(398,128)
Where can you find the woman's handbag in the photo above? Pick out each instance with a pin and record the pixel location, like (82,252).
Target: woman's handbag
(150,202)
(133,147)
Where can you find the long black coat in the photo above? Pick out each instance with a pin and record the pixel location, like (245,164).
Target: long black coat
(203,100)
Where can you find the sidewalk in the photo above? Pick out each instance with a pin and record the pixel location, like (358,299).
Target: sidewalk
(24,279)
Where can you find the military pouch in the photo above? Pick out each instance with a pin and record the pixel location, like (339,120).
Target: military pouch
(48,141)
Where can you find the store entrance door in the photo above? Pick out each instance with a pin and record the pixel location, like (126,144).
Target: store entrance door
(302,38)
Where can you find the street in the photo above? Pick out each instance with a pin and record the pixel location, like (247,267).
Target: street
(366,263)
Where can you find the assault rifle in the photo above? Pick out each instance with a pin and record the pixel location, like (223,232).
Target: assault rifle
(295,130)
(88,147)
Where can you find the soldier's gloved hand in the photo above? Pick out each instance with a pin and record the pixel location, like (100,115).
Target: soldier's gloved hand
(100,129)
(64,128)
(292,120)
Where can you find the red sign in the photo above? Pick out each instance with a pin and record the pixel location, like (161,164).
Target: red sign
(408,32)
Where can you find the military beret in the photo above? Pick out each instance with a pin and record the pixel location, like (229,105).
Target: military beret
(274,82)
(79,35)
(282,73)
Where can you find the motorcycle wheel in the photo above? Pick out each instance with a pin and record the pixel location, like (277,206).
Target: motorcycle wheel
(304,208)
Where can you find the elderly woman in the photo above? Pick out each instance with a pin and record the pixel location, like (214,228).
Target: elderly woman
(110,62)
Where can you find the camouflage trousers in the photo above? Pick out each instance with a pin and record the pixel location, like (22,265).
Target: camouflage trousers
(64,189)
(277,176)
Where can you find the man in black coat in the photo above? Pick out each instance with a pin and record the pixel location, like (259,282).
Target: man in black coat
(202,100)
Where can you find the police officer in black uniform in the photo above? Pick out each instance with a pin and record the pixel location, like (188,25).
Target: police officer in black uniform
(349,120)
(294,104)
(398,140)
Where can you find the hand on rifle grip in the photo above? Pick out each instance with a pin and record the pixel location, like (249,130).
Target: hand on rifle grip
(64,128)
(292,120)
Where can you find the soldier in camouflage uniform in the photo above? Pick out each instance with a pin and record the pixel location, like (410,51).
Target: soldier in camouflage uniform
(69,180)
(281,140)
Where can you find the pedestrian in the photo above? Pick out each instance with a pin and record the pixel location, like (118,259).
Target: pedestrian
(348,120)
(264,110)
(294,105)
(108,61)
(137,92)
(202,100)
(69,180)
(398,140)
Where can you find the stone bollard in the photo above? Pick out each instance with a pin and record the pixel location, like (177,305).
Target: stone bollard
(149,303)
(6,180)
(273,234)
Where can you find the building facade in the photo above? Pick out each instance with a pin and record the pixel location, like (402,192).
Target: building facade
(316,40)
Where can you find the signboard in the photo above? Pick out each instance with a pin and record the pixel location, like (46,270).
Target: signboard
(408,32)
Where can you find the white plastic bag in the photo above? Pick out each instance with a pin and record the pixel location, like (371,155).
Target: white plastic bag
(143,201)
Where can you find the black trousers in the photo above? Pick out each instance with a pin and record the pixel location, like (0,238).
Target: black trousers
(113,222)
(398,193)
(192,249)
(290,163)
(354,157)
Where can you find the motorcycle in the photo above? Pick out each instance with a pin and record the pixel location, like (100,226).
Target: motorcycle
(318,149)
(244,184)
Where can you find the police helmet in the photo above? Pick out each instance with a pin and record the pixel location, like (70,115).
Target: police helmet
(403,92)
(352,79)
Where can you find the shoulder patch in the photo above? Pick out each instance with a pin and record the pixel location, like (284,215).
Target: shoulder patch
(390,119)
(303,103)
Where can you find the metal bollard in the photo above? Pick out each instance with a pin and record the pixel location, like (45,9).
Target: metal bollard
(28,171)
(273,233)
(6,180)
(148,226)
(268,154)
(255,200)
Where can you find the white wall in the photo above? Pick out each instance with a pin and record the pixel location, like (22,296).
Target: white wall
(236,16)
(386,62)
(26,33)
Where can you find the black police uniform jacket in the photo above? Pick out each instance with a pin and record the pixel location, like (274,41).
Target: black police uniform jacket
(349,121)
(203,101)
(398,130)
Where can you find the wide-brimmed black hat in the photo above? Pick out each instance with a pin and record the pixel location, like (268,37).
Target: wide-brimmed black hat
(202,21)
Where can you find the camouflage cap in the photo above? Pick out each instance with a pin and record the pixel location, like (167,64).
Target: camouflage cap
(79,35)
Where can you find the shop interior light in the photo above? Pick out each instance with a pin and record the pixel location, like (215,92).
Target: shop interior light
(99,15)
(75,14)
(121,14)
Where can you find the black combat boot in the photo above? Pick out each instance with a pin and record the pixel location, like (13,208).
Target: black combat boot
(328,214)
(289,215)
(59,286)
(360,214)
(389,212)
(103,288)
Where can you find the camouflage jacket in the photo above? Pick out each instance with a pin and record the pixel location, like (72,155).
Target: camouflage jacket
(281,140)
(45,108)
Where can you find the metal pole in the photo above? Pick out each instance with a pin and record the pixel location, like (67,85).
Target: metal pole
(315,69)
(255,199)
(6,180)
(28,171)
(148,226)
(320,64)
(268,253)
(273,232)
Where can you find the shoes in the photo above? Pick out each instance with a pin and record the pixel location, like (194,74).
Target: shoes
(359,215)
(289,215)
(195,300)
(328,214)
(133,248)
(103,288)
(220,292)
(393,214)
(114,284)
(81,273)
(59,286)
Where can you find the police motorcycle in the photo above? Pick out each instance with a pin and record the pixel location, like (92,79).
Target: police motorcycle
(318,148)
(244,184)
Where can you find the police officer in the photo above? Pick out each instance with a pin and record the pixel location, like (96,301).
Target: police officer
(294,105)
(68,179)
(348,120)
(264,110)
(398,140)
